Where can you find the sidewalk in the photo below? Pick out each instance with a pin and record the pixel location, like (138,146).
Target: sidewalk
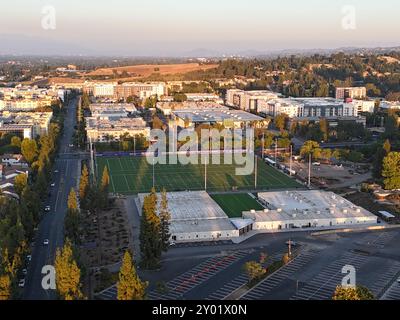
(315,231)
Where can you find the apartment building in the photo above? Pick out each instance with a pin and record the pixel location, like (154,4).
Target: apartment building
(248,100)
(105,90)
(25,124)
(167,107)
(351,92)
(308,107)
(103,129)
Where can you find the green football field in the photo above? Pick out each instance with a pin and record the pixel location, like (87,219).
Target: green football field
(235,204)
(131,175)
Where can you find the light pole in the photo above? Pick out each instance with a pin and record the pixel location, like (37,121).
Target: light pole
(290,161)
(153,173)
(255,170)
(309,170)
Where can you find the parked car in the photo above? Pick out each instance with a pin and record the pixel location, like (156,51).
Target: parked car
(21,283)
(46,242)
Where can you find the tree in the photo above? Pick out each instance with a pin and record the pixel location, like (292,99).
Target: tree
(16,142)
(84,183)
(387,146)
(391,171)
(129,286)
(72,200)
(285,258)
(105,179)
(254,270)
(5,287)
(324,128)
(20,183)
(150,240)
(67,274)
(356,293)
(311,147)
(280,121)
(29,150)
(165,218)
(180,97)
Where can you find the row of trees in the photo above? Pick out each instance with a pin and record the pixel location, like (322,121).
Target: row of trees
(18,218)
(154,230)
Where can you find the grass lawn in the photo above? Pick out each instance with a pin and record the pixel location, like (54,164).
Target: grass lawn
(235,204)
(131,175)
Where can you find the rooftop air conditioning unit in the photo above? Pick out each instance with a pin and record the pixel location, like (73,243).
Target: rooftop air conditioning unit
(332,211)
(253,211)
(266,210)
(358,210)
(345,211)
(294,215)
(279,210)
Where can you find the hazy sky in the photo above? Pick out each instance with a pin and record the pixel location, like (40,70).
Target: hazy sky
(167,27)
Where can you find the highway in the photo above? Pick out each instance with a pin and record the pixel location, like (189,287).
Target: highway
(65,176)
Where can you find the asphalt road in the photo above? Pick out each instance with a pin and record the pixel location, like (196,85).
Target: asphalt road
(52,224)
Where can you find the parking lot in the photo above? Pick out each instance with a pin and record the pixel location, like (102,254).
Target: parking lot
(313,275)
(330,176)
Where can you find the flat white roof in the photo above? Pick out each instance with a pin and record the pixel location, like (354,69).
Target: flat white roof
(194,212)
(307,205)
(387,214)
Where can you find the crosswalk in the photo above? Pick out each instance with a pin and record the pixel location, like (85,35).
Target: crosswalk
(324,284)
(182,284)
(108,294)
(261,290)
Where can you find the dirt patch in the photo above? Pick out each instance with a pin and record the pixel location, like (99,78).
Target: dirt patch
(149,69)
(367,201)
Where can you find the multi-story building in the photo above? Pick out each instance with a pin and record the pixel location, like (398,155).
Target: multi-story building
(362,105)
(167,107)
(248,100)
(227,118)
(308,107)
(103,129)
(351,92)
(112,108)
(125,90)
(25,124)
(280,106)
(106,90)
(390,105)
